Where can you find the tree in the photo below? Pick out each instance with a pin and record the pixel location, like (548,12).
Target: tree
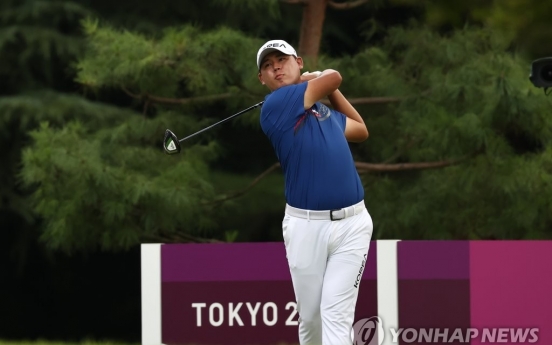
(460,131)
(37,43)
(312,20)
(527,23)
(314,12)
(40,41)
(101,179)
(440,108)
(465,99)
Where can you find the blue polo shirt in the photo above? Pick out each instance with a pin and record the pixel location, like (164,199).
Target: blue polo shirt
(318,166)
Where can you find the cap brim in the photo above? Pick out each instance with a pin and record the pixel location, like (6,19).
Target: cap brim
(268,51)
(265,53)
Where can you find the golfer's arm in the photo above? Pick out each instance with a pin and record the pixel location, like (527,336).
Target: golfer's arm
(321,86)
(355,128)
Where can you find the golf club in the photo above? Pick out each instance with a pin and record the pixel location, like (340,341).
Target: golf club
(171,143)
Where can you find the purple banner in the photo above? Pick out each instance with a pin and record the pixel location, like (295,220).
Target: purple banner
(234,262)
(237,294)
(433,259)
(241,293)
(434,287)
(511,284)
(224,262)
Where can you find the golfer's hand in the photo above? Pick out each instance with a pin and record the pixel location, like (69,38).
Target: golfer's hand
(309,75)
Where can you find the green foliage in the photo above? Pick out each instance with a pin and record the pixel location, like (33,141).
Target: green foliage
(34,37)
(38,39)
(527,22)
(464,96)
(94,174)
(268,7)
(101,179)
(257,215)
(184,61)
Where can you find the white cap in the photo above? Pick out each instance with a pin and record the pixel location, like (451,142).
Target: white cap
(274,45)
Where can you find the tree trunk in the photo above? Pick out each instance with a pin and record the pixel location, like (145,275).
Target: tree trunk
(314,12)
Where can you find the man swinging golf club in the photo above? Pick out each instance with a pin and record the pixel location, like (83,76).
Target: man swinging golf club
(326,226)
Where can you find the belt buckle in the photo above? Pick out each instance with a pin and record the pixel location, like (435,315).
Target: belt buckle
(331,215)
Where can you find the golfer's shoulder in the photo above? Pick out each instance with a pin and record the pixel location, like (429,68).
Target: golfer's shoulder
(285,94)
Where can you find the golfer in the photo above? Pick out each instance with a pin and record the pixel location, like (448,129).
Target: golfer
(326,226)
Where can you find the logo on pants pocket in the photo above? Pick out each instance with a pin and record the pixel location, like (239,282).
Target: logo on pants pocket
(368,331)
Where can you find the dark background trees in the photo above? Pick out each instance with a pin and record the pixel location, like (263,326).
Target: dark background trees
(459,147)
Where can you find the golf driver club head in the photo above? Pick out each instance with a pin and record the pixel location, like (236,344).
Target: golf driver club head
(171,143)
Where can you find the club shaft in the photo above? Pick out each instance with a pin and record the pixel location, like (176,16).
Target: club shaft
(222,121)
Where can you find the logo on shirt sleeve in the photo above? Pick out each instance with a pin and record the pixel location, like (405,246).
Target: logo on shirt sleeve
(323,112)
(318,110)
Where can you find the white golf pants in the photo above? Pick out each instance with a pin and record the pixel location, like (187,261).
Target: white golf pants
(326,260)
